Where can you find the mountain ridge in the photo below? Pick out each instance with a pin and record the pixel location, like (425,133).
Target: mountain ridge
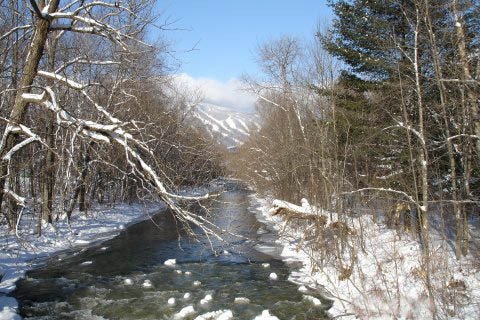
(229,127)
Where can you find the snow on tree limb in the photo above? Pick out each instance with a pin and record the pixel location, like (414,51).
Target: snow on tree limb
(108,133)
(54,76)
(388,190)
(13,30)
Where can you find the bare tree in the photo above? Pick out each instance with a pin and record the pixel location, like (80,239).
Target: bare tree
(84,91)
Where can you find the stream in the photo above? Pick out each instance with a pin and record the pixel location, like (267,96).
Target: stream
(126,278)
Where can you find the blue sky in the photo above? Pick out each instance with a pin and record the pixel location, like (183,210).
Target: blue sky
(227,32)
(225,35)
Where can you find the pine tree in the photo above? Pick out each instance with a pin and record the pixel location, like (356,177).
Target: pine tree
(366,34)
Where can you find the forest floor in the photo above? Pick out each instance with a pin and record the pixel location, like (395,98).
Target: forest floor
(387,278)
(21,252)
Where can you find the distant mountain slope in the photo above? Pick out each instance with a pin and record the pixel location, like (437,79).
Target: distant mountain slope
(229,127)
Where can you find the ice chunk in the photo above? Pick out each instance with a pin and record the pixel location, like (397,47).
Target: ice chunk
(86,263)
(273,276)
(186,296)
(128,282)
(178,271)
(185,312)
(171,301)
(170,262)
(216,315)
(188,273)
(313,300)
(241,300)
(196,283)
(147,284)
(266,316)
(207,299)
(266,265)
(302,289)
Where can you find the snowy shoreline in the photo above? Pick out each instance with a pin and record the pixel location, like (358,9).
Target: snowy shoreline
(388,265)
(19,256)
(302,277)
(352,298)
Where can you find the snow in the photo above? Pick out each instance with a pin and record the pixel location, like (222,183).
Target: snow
(128,282)
(266,316)
(241,300)
(18,255)
(185,312)
(207,299)
(242,123)
(387,280)
(231,128)
(302,289)
(305,208)
(273,276)
(231,123)
(9,307)
(170,262)
(313,300)
(216,315)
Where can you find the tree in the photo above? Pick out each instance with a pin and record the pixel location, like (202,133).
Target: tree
(86,67)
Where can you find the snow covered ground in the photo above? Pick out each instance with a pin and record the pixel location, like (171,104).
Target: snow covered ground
(20,253)
(386,278)
(386,281)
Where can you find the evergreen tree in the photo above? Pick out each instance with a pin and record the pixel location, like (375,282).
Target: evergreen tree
(366,35)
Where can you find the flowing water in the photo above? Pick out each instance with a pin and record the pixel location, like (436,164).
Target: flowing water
(125,278)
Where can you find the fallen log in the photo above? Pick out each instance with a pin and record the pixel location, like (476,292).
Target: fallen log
(289,211)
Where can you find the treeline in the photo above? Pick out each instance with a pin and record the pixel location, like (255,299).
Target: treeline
(381,108)
(89,112)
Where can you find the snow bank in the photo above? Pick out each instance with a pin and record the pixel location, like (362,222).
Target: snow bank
(17,255)
(387,279)
(9,308)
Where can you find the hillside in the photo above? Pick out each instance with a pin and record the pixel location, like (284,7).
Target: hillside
(230,128)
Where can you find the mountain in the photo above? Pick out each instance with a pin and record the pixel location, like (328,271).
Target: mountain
(230,128)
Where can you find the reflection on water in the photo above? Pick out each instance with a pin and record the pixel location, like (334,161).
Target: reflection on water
(125,278)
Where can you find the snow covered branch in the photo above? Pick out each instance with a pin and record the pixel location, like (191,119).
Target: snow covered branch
(114,132)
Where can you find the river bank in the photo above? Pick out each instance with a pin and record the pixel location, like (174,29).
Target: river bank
(164,275)
(18,254)
(387,280)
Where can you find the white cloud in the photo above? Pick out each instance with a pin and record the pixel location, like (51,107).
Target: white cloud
(226,94)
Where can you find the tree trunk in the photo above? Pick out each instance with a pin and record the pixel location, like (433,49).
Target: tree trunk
(48,181)
(457,209)
(80,188)
(467,76)
(29,73)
